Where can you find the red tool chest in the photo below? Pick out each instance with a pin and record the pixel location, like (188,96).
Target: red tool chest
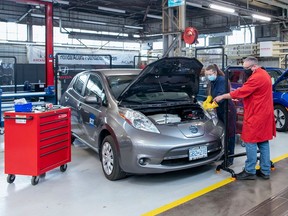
(35,143)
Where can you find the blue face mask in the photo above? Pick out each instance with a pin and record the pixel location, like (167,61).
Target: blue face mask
(212,77)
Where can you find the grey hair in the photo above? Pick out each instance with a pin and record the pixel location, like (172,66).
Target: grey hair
(251,59)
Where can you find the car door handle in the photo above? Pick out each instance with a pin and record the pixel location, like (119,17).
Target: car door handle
(79,106)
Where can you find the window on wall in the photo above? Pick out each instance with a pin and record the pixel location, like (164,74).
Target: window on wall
(38,33)
(13,31)
(242,36)
(3,27)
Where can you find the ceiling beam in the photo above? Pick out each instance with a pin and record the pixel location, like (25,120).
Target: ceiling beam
(274,3)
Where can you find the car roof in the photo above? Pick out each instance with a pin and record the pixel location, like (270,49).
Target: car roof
(266,67)
(117,71)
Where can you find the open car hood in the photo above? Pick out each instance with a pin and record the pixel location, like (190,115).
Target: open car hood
(282,77)
(171,74)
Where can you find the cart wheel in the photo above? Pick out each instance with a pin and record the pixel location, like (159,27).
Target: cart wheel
(35,180)
(63,167)
(11,178)
(43,175)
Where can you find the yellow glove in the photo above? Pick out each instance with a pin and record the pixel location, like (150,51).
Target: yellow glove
(214,105)
(208,99)
(208,105)
(206,102)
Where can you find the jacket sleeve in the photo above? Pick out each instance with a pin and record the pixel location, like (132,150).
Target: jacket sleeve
(247,89)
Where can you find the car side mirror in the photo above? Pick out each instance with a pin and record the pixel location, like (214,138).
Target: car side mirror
(93,100)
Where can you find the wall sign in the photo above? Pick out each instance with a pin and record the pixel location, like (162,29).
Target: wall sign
(174,3)
(266,49)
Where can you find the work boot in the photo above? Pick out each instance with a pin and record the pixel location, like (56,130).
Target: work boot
(245,176)
(262,175)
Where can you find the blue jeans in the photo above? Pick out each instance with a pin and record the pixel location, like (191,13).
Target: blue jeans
(251,151)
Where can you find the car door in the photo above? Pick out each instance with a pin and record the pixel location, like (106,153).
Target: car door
(92,109)
(73,98)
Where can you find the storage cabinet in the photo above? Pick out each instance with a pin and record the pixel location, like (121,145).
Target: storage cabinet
(35,143)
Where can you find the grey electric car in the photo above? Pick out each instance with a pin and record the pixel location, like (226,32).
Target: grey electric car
(145,121)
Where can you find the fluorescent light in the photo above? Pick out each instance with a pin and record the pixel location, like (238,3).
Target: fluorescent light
(62,2)
(133,27)
(41,16)
(37,15)
(194,4)
(154,16)
(265,18)
(94,22)
(111,9)
(222,8)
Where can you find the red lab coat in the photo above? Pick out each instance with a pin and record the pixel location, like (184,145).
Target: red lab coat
(258,123)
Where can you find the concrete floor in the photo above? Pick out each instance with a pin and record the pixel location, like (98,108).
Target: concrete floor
(83,189)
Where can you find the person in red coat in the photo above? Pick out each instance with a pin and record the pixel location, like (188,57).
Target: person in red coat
(258,124)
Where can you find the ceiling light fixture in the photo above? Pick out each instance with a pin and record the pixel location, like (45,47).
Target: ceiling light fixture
(154,16)
(94,22)
(111,9)
(133,27)
(41,16)
(264,18)
(62,2)
(222,8)
(194,4)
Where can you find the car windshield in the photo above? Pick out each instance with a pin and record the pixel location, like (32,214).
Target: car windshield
(118,83)
(157,97)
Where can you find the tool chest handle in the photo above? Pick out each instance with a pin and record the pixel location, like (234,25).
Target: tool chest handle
(12,117)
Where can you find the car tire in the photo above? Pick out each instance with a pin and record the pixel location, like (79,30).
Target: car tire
(110,161)
(281,118)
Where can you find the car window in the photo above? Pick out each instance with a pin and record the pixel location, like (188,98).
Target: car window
(94,87)
(274,74)
(79,83)
(282,86)
(237,76)
(119,83)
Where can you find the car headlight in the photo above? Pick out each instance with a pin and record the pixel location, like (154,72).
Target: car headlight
(138,120)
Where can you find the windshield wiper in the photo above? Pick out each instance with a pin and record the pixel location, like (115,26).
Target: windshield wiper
(132,101)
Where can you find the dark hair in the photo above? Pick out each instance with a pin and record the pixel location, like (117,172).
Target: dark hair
(215,68)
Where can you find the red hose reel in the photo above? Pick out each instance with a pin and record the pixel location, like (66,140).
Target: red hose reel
(190,35)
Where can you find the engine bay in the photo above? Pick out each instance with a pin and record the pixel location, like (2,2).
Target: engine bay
(175,114)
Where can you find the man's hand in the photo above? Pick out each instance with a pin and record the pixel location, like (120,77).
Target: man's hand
(218,98)
(221,97)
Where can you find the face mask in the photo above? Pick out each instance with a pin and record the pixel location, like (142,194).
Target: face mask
(248,72)
(211,77)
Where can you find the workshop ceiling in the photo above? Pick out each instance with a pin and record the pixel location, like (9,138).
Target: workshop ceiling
(143,17)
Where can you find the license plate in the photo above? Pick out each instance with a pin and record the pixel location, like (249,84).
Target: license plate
(197,152)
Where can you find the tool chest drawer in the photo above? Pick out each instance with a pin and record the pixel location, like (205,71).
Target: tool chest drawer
(36,142)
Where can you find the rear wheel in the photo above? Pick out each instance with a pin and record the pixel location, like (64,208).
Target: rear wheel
(281,118)
(110,161)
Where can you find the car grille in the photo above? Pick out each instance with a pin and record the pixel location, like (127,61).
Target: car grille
(179,156)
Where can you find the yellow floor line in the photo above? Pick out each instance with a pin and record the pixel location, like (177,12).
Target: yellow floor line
(199,193)
(189,197)
(280,158)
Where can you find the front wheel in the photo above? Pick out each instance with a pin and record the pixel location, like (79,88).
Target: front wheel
(281,118)
(110,161)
